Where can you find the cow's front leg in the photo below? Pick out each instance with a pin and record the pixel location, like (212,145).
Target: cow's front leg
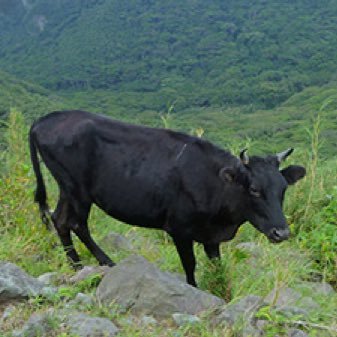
(212,250)
(185,250)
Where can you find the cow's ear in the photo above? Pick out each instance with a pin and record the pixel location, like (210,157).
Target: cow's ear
(236,174)
(293,173)
(227,174)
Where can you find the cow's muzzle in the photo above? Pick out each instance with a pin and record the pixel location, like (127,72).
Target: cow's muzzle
(277,235)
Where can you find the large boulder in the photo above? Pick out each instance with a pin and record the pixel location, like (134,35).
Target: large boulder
(137,285)
(16,284)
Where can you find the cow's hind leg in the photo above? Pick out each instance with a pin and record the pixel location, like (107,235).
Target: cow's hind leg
(61,218)
(80,227)
(82,231)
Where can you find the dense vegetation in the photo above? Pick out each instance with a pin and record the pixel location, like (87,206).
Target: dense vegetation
(309,255)
(194,53)
(260,75)
(264,130)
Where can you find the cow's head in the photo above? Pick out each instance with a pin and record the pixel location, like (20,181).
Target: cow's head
(262,187)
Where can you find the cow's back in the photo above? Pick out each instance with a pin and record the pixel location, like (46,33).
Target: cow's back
(134,173)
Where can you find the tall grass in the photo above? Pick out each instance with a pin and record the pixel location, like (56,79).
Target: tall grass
(311,203)
(311,208)
(24,240)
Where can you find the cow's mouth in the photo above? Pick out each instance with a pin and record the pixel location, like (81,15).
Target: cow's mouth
(278,235)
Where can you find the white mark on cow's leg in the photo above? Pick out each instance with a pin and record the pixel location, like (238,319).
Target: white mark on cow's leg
(181,152)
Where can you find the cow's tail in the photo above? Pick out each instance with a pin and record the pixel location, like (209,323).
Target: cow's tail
(40,192)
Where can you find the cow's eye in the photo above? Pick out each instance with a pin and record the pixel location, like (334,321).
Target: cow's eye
(255,192)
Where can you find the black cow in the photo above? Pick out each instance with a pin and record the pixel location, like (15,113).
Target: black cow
(155,178)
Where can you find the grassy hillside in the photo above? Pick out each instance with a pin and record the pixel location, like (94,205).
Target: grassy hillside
(194,53)
(255,74)
(268,130)
(310,255)
(33,100)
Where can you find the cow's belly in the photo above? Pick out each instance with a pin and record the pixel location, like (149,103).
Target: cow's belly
(213,234)
(132,202)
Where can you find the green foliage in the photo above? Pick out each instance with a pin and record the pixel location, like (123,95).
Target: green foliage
(265,131)
(321,240)
(197,53)
(217,276)
(25,241)
(18,217)
(31,99)
(66,293)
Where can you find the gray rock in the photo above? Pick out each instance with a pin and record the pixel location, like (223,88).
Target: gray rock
(288,297)
(87,271)
(137,285)
(185,319)
(39,324)
(7,313)
(116,242)
(261,324)
(249,330)
(307,303)
(83,325)
(128,320)
(16,284)
(283,297)
(83,299)
(79,324)
(239,312)
(179,276)
(148,320)
(49,292)
(48,278)
(296,333)
(291,311)
(321,288)
(250,248)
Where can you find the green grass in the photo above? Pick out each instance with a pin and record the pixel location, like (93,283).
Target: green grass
(309,254)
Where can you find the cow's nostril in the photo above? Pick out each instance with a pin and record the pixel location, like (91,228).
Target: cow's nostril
(278,235)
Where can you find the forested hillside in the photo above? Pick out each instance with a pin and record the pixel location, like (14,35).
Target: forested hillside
(258,74)
(194,53)
(264,130)
(33,100)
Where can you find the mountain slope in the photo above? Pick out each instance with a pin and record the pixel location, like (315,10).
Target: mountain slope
(196,52)
(264,130)
(31,99)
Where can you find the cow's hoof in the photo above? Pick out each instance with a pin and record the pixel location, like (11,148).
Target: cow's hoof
(77,265)
(108,263)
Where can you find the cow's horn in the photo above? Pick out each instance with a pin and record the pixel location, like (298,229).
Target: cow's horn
(244,157)
(283,155)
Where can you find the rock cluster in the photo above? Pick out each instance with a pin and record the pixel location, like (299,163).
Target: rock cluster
(149,295)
